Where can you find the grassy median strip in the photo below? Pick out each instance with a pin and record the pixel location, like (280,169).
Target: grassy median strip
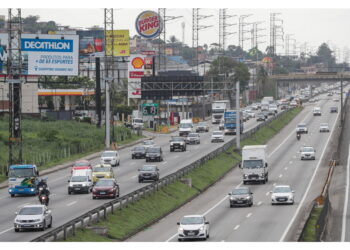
(309,233)
(142,213)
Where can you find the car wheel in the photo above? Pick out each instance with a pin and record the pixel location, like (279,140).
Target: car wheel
(93,197)
(12,195)
(44,226)
(264,181)
(251,204)
(118,163)
(231,205)
(244,183)
(69,192)
(16,230)
(146,160)
(118,194)
(50,225)
(140,180)
(178,239)
(132,157)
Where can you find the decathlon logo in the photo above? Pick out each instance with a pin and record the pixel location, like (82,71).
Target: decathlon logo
(49,45)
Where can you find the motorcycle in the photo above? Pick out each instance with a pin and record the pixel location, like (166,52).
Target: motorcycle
(298,136)
(44,200)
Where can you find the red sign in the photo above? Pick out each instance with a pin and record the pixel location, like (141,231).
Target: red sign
(136,74)
(98,45)
(148,52)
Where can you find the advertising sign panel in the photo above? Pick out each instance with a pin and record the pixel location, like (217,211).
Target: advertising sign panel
(121,42)
(136,71)
(150,109)
(91,42)
(44,54)
(149,24)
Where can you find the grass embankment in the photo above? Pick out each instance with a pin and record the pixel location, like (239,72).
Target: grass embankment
(48,143)
(136,216)
(309,233)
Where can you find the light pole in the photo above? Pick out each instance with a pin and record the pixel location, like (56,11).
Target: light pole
(238,126)
(108,128)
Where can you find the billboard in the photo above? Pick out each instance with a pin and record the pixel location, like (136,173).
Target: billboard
(149,24)
(136,72)
(44,54)
(90,42)
(121,42)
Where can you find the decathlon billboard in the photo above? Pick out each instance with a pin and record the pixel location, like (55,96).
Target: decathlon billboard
(51,54)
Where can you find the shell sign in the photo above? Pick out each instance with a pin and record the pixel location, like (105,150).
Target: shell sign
(137,63)
(149,24)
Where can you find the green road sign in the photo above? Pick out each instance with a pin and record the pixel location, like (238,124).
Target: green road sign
(150,109)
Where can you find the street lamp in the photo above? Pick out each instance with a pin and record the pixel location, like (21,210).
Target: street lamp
(108,129)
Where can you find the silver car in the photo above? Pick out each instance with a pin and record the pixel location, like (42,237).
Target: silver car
(307,153)
(241,196)
(193,227)
(282,194)
(110,157)
(324,127)
(202,127)
(33,217)
(217,136)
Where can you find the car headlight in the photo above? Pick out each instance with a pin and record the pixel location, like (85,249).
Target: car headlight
(83,185)
(16,220)
(201,228)
(93,190)
(32,189)
(245,176)
(181,229)
(232,198)
(262,175)
(10,189)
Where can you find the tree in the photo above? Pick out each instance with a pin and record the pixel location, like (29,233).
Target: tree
(261,79)
(325,56)
(242,75)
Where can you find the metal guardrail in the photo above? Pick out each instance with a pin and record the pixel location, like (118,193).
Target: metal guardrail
(95,214)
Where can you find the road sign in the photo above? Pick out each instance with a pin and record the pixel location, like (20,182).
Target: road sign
(150,109)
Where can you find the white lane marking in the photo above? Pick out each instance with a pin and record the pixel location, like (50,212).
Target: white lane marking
(292,133)
(309,186)
(274,184)
(294,156)
(176,156)
(134,177)
(165,162)
(280,176)
(345,210)
(290,162)
(236,227)
(23,205)
(259,203)
(133,163)
(267,193)
(248,215)
(6,230)
(72,203)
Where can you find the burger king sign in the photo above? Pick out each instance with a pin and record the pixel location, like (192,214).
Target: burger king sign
(149,24)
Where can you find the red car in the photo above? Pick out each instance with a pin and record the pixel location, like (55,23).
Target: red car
(82,164)
(105,188)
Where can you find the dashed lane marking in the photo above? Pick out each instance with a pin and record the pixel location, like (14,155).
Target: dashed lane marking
(259,203)
(72,203)
(248,215)
(236,227)
(280,176)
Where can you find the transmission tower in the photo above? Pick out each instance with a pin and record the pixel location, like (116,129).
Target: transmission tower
(14,68)
(183,32)
(276,32)
(222,28)
(195,30)
(255,35)
(289,38)
(241,29)
(109,43)
(162,35)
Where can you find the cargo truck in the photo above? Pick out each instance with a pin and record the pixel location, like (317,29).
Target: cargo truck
(254,164)
(218,108)
(230,122)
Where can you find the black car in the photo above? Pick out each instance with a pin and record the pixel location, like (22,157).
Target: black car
(154,154)
(148,172)
(138,152)
(241,196)
(334,109)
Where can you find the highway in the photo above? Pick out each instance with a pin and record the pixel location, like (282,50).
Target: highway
(65,207)
(262,221)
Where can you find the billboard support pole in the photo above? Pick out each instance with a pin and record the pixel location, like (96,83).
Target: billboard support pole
(107,115)
(98,91)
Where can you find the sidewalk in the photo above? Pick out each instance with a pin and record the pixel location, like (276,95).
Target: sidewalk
(88,157)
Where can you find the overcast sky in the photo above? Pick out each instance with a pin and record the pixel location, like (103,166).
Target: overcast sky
(310,25)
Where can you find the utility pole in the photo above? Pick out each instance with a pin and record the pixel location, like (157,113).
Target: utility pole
(289,37)
(241,29)
(238,122)
(276,32)
(162,35)
(196,27)
(109,67)
(14,70)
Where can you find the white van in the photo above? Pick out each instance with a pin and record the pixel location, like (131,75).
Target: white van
(137,123)
(80,181)
(186,127)
(82,172)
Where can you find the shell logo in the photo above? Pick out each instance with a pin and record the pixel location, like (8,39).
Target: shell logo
(149,24)
(137,63)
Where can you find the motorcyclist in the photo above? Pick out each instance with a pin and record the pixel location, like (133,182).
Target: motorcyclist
(42,183)
(44,192)
(298,135)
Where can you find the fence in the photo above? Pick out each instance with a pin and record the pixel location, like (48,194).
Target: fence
(96,214)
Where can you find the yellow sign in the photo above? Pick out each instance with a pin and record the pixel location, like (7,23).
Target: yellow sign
(121,43)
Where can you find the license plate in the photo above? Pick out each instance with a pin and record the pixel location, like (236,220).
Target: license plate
(77,188)
(102,192)
(191,233)
(239,201)
(26,225)
(20,189)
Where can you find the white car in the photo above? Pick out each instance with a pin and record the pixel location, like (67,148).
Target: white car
(301,128)
(217,136)
(324,127)
(33,217)
(80,184)
(193,227)
(251,114)
(148,144)
(282,194)
(222,125)
(293,103)
(307,153)
(110,157)
(317,111)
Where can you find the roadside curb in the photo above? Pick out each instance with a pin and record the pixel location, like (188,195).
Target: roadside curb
(89,157)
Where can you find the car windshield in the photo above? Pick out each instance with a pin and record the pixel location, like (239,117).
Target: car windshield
(192,220)
(81,164)
(185,125)
(301,126)
(193,135)
(282,190)
(148,168)
(240,191)
(202,124)
(252,164)
(261,114)
(153,150)
(101,169)
(31,211)
(139,148)
(177,139)
(108,154)
(308,150)
(218,111)
(324,124)
(104,183)
(217,133)
(22,172)
(148,142)
(78,178)
(138,120)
